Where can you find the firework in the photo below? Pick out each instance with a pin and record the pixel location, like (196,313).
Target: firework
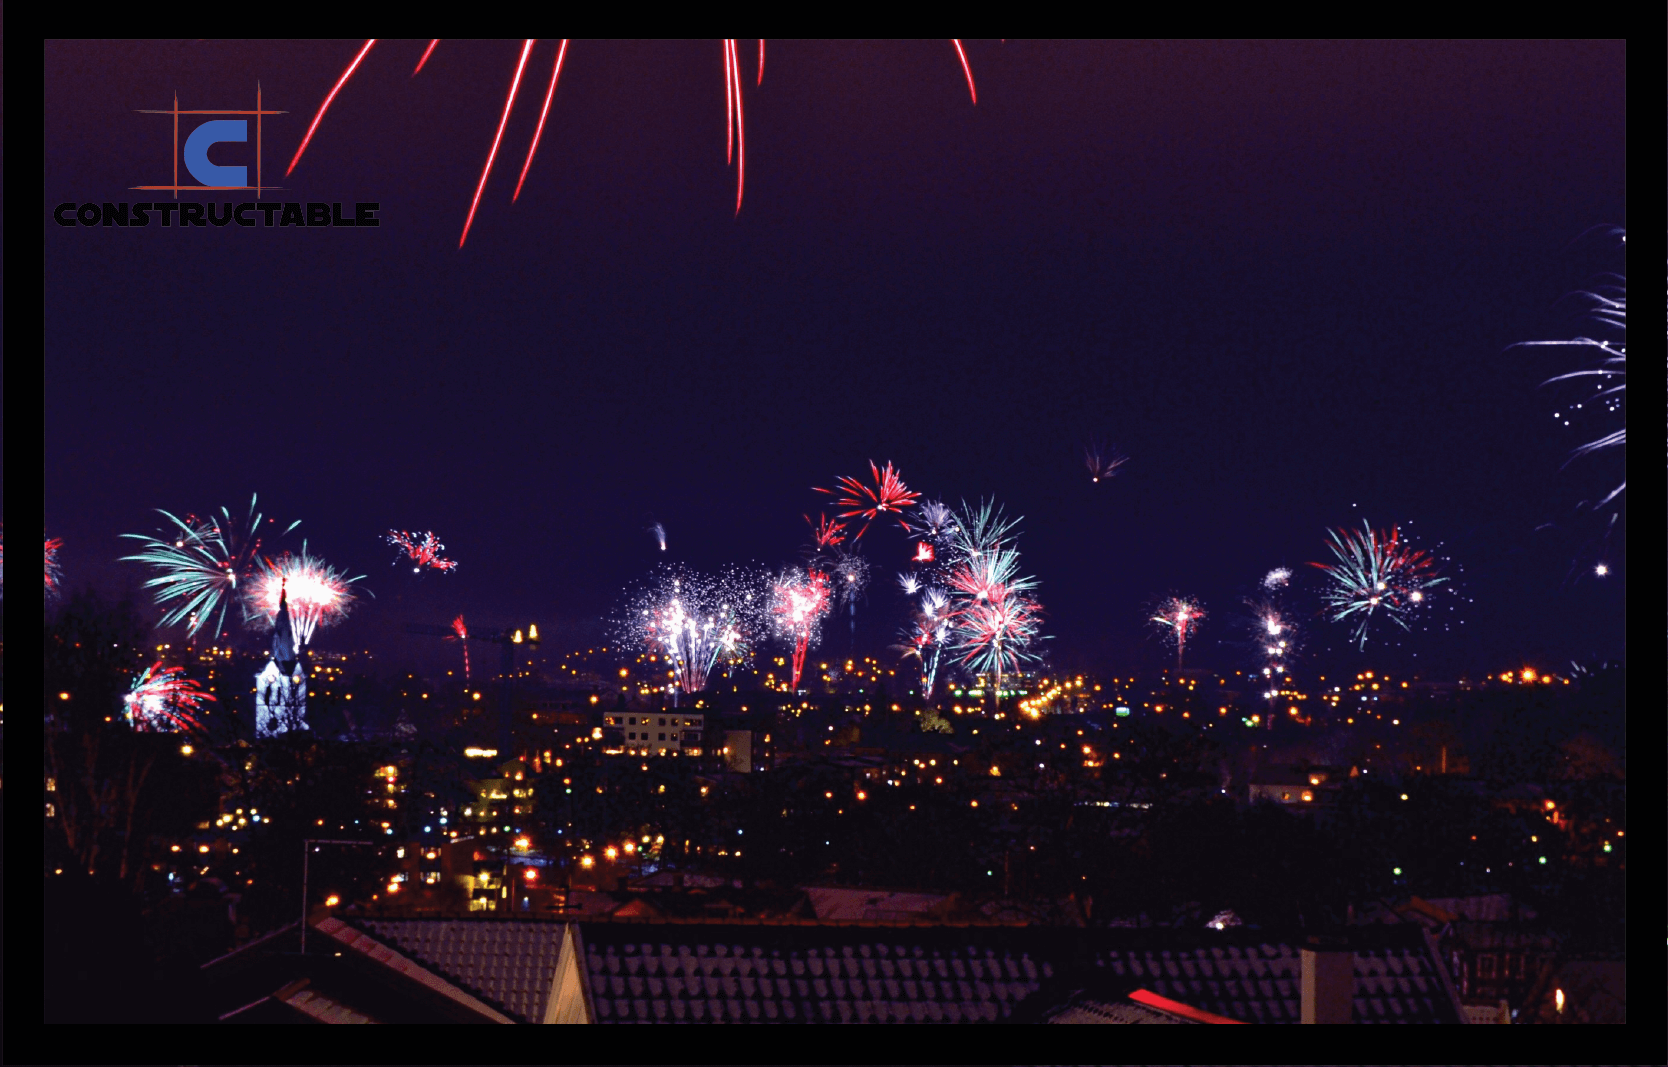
(735,130)
(462,631)
(1607,311)
(202,564)
(1178,617)
(982,531)
(887,494)
(1103,462)
(995,633)
(825,534)
(694,621)
(995,619)
(934,525)
(54,575)
(659,532)
(1275,638)
(1277,578)
(927,635)
(909,582)
(800,601)
(423,549)
(1376,575)
(164,699)
(318,595)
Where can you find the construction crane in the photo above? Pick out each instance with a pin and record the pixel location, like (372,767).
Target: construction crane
(508,641)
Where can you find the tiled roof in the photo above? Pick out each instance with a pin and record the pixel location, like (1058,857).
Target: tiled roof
(322,1008)
(838,902)
(1397,976)
(803,974)
(508,964)
(1091,1010)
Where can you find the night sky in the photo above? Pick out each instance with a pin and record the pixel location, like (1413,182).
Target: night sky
(1282,278)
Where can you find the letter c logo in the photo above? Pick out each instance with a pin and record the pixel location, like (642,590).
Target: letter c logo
(197,146)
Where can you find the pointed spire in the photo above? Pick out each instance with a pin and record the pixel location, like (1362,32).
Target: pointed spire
(284,650)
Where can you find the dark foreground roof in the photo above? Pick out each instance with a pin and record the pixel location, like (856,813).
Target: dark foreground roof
(712,972)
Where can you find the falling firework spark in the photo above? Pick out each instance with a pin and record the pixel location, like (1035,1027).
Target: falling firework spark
(1178,617)
(462,632)
(800,602)
(1103,462)
(202,564)
(1277,578)
(694,621)
(1376,575)
(735,135)
(423,549)
(868,502)
(54,575)
(659,532)
(318,594)
(164,699)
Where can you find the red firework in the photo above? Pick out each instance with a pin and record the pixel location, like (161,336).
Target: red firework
(867,502)
(53,574)
(801,602)
(463,637)
(163,698)
(423,549)
(735,137)
(826,534)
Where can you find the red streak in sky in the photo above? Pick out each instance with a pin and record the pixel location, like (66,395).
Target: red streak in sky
(346,74)
(526,50)
(429,52)
(561,51)
(761,60)
(967,70)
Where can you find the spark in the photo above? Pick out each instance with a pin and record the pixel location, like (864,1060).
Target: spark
(426,54)
(318,594)
(202,564)
(909,582)
(509,102)
(967,70)
(1179,617)
(659,532)
(163,699)
(826,534)
(544,113)
(423,549)
(1277,578)
(462,631)
(1376,575)
(346,74)
(887,494)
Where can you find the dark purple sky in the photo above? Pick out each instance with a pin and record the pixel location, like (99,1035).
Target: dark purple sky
(1283,278)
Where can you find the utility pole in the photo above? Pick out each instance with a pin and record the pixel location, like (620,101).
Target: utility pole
(306,855)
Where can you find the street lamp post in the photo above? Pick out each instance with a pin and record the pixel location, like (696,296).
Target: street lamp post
(306,855)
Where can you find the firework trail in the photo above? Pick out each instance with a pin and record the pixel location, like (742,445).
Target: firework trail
(1376,575)
(735,130)
(318,594)
(800,602)
(659,532)
(696,620)
(1278,578)
(164,699)
(1607,311)
(54,575)
(462,632)
(423,549)
(1178,617)
(202,564)
(1274,637)
(1103,462)
(868,502)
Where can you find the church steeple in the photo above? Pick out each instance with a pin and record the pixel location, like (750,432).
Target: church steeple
(284,652)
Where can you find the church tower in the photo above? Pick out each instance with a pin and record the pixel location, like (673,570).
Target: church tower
(281,688)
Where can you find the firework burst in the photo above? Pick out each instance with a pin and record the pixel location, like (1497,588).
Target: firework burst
(825,533)
(317,594)
(202,565)
(696,621)
(994,617)
(1277,579)
(54,574)
(1376,575)
(1103,462)
(164,699)
(1177,618)
(928,634)
(888,494)
(422,549)
(799,603)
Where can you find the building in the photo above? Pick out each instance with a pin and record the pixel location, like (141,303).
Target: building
(667,732)
(1298,787)
(281,687)
(529,971)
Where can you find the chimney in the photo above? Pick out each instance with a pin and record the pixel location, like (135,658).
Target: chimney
(1328,980)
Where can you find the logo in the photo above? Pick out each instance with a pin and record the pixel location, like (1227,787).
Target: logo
(213,177)
(197,144)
